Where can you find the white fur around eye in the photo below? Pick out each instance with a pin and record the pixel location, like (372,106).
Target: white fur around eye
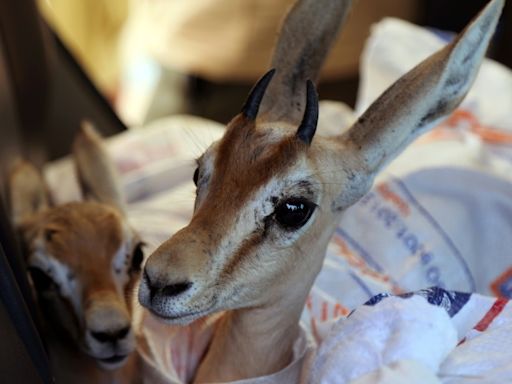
(69,287)
(122,259)
(121,265)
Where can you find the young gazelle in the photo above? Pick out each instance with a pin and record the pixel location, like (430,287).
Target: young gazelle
(269,193)
(84,260)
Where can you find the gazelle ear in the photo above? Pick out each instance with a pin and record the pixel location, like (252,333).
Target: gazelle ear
(27,192)
(306,36)
(96,173)
(423,96)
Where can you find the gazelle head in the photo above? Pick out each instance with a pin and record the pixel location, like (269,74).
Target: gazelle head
(83,257)
(270,193)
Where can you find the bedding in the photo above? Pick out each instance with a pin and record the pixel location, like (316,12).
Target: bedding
(439,215)
(432,336)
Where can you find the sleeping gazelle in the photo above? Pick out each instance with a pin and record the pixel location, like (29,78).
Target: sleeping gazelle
(270,192)
(84,260)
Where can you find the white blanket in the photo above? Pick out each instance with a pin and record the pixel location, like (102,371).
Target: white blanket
(433,336)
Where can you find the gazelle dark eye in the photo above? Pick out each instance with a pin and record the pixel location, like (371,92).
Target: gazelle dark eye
(41,280)
(137,258)
(196,176)
(294,213)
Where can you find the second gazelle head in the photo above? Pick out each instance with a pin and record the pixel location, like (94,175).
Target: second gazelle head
(84,258)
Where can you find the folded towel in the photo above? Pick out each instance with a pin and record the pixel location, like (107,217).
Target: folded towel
(384,339)
(432,336)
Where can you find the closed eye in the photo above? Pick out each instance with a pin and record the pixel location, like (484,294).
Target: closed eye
(42,281)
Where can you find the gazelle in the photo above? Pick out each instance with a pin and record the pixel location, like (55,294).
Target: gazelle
(84,260)
(270,192)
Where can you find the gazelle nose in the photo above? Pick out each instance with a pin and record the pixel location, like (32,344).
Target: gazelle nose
(167,290)
(110,336)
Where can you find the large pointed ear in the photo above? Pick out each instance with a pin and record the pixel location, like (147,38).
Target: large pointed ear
(96,172)
(28,193)
(307,33)
(423,96)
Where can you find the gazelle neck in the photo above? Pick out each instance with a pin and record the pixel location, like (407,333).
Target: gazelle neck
(258,341)
(252,342)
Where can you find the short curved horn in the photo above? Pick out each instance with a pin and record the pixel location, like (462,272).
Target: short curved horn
(252,105)
(309,122)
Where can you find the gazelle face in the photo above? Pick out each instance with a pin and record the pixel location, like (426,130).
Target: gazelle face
(84,258)
(264,211)
(84,261)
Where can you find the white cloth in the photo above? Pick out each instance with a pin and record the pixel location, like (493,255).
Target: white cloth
(385,336)
(175,360)
(433,336)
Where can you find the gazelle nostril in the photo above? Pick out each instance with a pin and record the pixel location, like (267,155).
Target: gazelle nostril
(110,336)
(176,289)
(152,289)
(157,287)
(122,332)
(102,337)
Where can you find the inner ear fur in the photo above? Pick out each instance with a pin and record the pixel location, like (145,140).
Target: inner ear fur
(28,193)
(96,173)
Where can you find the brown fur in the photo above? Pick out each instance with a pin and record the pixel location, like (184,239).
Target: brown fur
(69,228)
(253,162)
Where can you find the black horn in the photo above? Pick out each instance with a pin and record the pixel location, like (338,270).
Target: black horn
(251,106)
(307,127)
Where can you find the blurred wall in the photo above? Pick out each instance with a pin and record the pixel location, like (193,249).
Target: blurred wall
(233,40)
(90,29)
